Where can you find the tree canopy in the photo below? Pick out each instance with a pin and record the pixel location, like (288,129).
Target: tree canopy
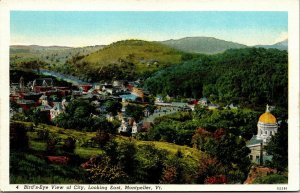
(278,148)
(250,76)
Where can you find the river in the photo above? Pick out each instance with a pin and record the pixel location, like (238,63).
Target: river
(68,78)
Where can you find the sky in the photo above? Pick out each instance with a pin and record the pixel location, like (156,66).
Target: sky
(86,28)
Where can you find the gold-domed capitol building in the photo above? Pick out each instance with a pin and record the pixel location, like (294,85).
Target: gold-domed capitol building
(266,127)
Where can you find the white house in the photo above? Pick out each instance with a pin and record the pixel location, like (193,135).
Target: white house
(44,100)
(124,126)
(56,110)
(109,117)
(134,129)
(203,101)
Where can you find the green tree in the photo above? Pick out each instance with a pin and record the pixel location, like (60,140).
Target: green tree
(101,123)
(52,145)
(233,150)
(230,150)
(150,164)
(101,138)
(78,116)
(225,78)
(14,106)
(175,170)
(81,111)
(278,148)
(18,136)
(110,149)
(62,120)
(126,156)
(113,106)
(69,145)
(37,116)
(19,117)
(134,111)
(84,107)
(200,138)
(272,179)
(43,134)
(201,111)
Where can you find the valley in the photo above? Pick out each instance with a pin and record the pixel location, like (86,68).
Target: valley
(188,111)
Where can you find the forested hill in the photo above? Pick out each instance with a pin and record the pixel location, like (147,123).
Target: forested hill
(126,60)
(250,76)
(204,45)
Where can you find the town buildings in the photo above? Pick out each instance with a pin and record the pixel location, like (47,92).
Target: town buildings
(53,100)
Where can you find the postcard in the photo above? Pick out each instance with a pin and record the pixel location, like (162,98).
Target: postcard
(149,95)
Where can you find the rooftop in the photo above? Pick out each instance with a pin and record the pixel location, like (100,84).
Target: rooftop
(254,141)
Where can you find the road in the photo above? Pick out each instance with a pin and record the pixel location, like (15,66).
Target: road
(161,112)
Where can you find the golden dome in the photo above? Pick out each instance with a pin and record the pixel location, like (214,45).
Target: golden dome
(267,118)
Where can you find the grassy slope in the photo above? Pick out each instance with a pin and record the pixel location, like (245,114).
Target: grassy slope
(31,167)
(88,152)
(136,51)
(170,147)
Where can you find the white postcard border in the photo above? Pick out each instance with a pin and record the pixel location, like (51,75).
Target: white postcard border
(292,6)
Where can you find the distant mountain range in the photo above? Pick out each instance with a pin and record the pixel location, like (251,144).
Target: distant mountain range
(37,49)
(211,45)
(49,54)
(205,45)
(283,45)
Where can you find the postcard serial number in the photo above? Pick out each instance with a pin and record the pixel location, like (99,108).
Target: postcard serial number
(282,188)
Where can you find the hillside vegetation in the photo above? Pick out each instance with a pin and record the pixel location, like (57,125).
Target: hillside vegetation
(126,160)
(127,59)
(204,45)
(250,76)
(50,56)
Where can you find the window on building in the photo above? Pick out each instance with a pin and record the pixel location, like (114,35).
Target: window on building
(257,158)
(251,157)
(266,132)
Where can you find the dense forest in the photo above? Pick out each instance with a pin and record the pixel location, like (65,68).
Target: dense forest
(250,76)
